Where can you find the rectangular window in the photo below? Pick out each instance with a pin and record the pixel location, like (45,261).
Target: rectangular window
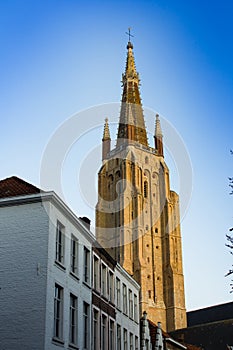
(111,287)
(104,279)
(124,298)
(86,265)
(118,337)
(130,303)
(86,329)
(136,343)
(58,312)
(74,255)
(131,341)
(96,273)
(118,293)
(135,308)
(111,335)
(104,333)
(125,339)
(60,243)
(147,344)
(96,335)
(73,319)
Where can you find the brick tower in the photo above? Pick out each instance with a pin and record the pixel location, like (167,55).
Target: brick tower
(137,215)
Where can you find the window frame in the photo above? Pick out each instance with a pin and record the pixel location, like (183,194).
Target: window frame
(111,335)
(135,306)
(73,326)
(111,286)
(125,304)
(74,255)
(86,325)
(96,327)
(96,273)
(131,304)
(58,312)
(60,243)
(125,339)
(104,332)
(136,342)
(119,336)
(104,280)
(131,341)
(118,293)
(86,265)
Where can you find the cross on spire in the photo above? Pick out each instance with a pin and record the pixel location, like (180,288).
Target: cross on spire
(129,34)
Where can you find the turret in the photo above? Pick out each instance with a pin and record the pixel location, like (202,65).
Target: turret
(158,137)
(106,140)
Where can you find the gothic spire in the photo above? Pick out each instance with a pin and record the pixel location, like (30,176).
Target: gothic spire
(132,125)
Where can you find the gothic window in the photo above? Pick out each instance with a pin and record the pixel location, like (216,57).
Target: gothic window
(145,189)
(118,181)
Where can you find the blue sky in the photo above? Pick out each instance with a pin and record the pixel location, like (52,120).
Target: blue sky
(62,57)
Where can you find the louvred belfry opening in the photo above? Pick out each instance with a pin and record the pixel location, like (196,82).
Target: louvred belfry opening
(131,125)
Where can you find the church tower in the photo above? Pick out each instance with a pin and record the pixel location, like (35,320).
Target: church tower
(137,215)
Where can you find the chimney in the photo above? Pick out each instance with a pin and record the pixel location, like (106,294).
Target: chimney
(86,221)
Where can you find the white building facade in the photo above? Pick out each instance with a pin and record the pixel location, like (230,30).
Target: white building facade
(115,305)
(127,311)
(49,285)
(45,275)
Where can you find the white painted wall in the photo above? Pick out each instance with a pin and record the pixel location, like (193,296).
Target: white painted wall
(23,276)
(28,273)
(64,278)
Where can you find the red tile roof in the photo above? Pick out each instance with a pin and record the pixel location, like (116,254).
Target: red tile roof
(14,186)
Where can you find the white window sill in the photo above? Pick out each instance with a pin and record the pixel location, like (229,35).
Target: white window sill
(60,265)
(73,346)
(58,341)
(73,274)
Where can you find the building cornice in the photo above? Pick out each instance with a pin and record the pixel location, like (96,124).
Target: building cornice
(53,198)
